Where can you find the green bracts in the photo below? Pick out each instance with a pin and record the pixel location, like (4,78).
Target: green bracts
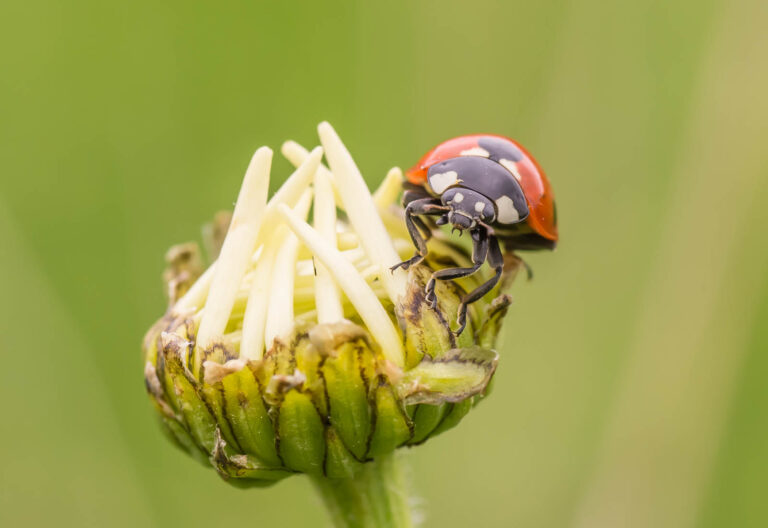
(325,401)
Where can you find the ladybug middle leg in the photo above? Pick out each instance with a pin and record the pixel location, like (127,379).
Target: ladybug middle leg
(421,206)
(496,262)
(481,242)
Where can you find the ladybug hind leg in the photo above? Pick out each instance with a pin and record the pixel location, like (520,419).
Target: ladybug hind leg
(518,259)
(416,226)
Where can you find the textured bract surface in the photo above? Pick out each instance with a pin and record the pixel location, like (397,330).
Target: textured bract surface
(325,400)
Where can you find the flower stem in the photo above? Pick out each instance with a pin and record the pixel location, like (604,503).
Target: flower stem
(376,497)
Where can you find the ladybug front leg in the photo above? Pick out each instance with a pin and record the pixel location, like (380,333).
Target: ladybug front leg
(423,206)
(411,195)
(480,240)
(495,261)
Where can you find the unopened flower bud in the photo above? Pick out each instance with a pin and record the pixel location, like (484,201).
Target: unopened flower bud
(297,350)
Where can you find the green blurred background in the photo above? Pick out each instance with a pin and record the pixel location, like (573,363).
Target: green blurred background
(631,390)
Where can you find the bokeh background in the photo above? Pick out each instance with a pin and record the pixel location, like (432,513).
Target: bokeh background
(632,386)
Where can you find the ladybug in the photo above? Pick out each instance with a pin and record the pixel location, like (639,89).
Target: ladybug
(488,185)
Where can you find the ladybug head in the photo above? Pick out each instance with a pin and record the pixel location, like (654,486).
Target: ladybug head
(468,209)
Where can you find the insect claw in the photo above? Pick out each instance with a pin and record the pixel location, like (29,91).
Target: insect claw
(416,259)
(461,319)
(461,328)
(430,298)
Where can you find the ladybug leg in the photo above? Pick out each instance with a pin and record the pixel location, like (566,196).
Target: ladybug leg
(411,195)
(526,266)
(495,261)
(422,206)
(528,269)
(480,240)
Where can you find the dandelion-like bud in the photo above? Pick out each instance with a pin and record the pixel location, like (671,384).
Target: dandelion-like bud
(298,350)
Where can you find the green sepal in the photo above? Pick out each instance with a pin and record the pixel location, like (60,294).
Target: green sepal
(301,434)
(454,415)
(392,428)
(339,462)
(247,416)
(171,422)
(175,342)
(157,393)
(181,438)
(308,361)
(454,377)
(213,395)
(428,331)
(242,470)
(198,418)
(149,343)
(425,419)
(494,316)
(350,410)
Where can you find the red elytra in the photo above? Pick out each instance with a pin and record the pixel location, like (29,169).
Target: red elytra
(533,181)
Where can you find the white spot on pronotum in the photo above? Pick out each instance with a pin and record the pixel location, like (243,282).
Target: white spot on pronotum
(475,151)
(479,206)
(511,166)
(458,198)
(507,212)
(441,181)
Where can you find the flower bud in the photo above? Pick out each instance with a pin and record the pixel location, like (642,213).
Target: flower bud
(298,351)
